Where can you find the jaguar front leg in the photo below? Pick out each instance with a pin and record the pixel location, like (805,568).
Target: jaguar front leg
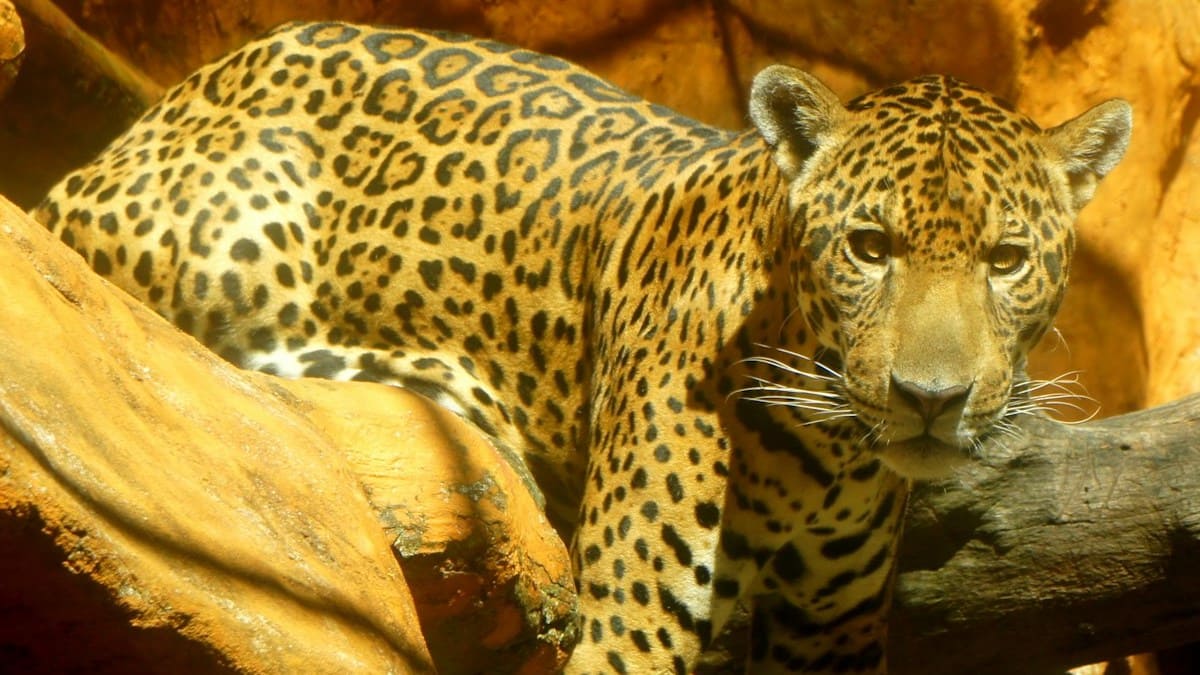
(644,576)
(820,604)
(785,639)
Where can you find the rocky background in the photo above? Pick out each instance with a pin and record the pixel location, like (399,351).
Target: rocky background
(1131,322)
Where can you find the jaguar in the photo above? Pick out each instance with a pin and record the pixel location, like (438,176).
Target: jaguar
(723,355)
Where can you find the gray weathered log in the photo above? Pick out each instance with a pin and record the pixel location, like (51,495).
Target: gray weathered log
(1071,545)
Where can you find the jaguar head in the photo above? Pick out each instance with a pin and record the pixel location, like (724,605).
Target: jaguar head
(932,242)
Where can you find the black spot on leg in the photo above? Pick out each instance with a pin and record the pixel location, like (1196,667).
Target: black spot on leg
(670,537)
(884,511)
(526,385)
(274,232)
(736,546)
(650,511)
(674,487)
(787,564)
(284,275)
(727,588)
(844,546)
(639,640)
(708,515)
(640,592)
(617,624)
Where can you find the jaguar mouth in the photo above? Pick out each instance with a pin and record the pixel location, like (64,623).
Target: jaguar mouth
(924,457)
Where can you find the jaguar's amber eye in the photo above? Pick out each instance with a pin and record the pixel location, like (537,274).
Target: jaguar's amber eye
(870,246)
(1007,258)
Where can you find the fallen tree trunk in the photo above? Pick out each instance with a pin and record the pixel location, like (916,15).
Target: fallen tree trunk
(215,518)
(210,523)
(1073,545)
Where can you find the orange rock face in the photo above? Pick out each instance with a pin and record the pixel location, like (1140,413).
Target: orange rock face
(1131,320)
(12,45)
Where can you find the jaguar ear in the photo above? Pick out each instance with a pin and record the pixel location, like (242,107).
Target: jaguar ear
(1090,145)
(796,115)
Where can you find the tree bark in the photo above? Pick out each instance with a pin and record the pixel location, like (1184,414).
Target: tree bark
(162,511)
(1072,545)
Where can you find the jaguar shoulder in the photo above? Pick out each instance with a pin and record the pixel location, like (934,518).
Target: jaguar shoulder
(722,355)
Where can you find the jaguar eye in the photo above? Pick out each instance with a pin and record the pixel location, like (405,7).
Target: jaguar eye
(1007,258)
(870,246)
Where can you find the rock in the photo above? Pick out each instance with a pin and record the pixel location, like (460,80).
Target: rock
(1131,321)
(213,518)
(12,45)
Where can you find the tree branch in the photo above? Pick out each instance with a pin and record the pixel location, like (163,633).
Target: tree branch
(1073,545)
(94,55)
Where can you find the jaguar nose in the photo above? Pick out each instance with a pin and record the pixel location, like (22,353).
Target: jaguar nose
(929,403)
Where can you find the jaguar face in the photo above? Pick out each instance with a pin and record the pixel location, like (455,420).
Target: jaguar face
(935,237)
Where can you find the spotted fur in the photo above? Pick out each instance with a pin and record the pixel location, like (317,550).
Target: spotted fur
(721,354)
